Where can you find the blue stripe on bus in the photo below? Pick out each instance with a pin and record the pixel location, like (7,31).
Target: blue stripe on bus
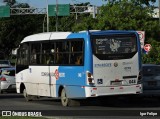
(75,92)
(88,62)
(71,75)
(76,74)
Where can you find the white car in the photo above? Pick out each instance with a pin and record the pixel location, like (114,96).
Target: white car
(7,80)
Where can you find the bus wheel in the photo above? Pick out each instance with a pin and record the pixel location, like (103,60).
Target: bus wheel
(27,97)
(66,101)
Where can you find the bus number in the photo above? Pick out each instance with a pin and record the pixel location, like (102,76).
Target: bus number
(132,81)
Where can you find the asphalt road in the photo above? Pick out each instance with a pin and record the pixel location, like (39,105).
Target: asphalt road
(111,107)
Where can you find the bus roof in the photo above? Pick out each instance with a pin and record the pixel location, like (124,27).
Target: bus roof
(64,35)
(112,32)
(46,36)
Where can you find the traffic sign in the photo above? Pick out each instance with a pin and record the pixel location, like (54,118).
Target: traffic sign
(147,47)
(62,10)
(141,37)
(4,11)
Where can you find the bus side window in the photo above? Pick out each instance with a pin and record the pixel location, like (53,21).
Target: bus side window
(77,52)
(78,60)
(72,58)
(48,59)
(59,58)
(33,56)
(52,59)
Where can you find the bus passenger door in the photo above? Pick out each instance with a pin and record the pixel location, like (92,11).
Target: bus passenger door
(39,68)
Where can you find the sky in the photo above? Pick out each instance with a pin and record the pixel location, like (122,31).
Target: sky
(43,3)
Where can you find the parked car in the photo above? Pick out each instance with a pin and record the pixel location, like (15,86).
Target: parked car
(151,80)
(7,80)
(5,64)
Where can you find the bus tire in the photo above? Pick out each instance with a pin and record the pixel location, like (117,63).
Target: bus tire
(66,101)
(27,97)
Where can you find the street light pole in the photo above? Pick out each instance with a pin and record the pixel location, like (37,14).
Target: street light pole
(56,15)
(44,23)
(159,12)
(47,16)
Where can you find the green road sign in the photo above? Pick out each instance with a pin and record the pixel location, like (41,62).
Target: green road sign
(61,10)
(4,11)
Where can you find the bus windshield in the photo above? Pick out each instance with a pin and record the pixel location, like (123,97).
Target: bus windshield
(114,47)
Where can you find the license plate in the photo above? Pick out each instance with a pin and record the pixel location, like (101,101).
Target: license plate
(116,83)
(152,83)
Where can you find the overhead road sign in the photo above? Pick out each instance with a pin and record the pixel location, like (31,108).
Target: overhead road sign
(59,10)
(4,11)
(27,11)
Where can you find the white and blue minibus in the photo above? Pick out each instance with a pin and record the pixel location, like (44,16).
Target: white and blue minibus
(71,66)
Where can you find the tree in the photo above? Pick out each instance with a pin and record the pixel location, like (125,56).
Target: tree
(10,2)
(140,2)
(86,22)
(65,23)
(15,28)
(153,56)
(125,15)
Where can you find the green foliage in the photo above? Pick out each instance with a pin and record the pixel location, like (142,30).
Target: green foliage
(64,23)
(10,2)
(84,23)
(140,2)
(115,15)
(125,15)
(133,15)
(153,56)
(15,28)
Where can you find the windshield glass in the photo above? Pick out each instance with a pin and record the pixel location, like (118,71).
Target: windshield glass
(8,72)
(119,46)
(4,63)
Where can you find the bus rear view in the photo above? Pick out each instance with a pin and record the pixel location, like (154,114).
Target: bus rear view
(71,66)
(116,63)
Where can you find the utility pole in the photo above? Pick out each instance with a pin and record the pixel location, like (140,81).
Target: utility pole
(159,12)
(47,16)
(56,15)
(94,12)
